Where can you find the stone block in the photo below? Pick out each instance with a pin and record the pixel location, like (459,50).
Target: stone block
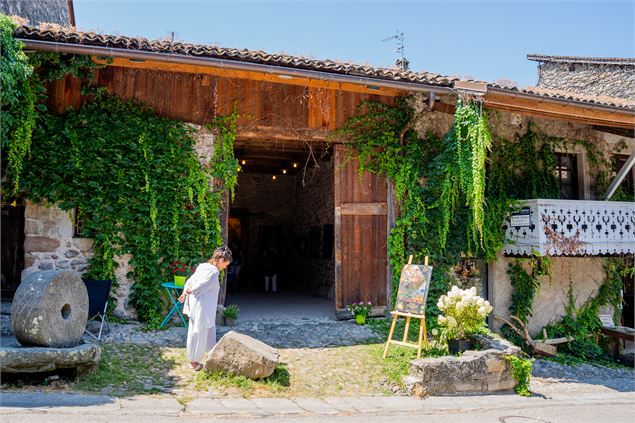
(77,261)
(476,371)
(242,355)
(15,358)
(46,265)
(63,264)
(71,253)
(496,365)
(40,244)
(29,260)
(84,245)
(32,227)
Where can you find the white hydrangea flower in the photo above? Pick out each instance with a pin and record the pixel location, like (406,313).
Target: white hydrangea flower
(435,332)
(451,321)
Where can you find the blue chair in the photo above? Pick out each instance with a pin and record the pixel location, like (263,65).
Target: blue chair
(98,296)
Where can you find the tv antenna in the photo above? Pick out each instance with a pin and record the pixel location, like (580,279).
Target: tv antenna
(402,62)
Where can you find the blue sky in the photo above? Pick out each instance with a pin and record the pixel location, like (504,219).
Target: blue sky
(482,40)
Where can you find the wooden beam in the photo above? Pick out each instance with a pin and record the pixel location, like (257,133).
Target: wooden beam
(553,110)
(256,76)
(280,133)
(362,209)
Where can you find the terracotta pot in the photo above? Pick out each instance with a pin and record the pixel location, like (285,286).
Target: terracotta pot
(459,345)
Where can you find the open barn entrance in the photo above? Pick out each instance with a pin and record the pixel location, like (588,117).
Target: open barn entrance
(280,228)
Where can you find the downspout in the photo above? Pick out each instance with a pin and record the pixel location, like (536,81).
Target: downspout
(282,72)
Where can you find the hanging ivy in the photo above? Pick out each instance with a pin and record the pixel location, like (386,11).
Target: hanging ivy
(139,185)
(18,102)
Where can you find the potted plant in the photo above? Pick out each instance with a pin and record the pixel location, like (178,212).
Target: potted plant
(360,310)
(464,314)
(180,272)
(230,314)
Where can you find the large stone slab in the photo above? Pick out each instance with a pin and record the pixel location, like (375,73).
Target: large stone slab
(242,355)
(15,358)
(481,371)
(50,309)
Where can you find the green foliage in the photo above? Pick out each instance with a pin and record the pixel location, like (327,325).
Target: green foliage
(464,184)
(279,381)
(526,284)
(231,311)
(17,103)
(521,371)
(579,323)
(138,184)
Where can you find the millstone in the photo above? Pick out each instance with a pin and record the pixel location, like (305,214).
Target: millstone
(50,309)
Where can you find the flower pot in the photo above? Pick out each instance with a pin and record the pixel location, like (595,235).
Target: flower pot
(179,280)
(360,319)
(459,345)
(230,322)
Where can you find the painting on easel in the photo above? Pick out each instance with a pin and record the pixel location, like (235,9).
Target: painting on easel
(413,288)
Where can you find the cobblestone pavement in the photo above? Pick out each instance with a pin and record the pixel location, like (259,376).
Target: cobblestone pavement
(548,376)
(297,333)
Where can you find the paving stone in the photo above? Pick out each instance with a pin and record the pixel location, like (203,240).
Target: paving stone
(395,403)
(277,405)
(207,406)
(315,405)
(62,403)
(150,405)
(241,405)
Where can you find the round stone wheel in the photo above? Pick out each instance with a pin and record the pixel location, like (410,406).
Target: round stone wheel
(50,309)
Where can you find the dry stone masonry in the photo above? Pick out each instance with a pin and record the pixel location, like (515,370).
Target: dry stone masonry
(475,372)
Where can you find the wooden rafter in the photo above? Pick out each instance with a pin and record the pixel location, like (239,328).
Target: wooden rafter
(255,76)
(554,110)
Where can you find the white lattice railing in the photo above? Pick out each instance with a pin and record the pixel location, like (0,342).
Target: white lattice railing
(571,228)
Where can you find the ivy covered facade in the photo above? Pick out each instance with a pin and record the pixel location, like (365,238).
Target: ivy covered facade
(142,153)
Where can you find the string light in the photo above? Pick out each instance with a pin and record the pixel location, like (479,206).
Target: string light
(274,177)
(284,171)
(295,165)
(244,162)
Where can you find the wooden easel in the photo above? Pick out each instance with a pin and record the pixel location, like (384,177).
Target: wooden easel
(423,335)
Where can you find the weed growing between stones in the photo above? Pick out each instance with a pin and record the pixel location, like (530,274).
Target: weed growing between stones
(128,369)
(278,382)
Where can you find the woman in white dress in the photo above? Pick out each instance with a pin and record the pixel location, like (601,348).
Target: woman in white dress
(200,297)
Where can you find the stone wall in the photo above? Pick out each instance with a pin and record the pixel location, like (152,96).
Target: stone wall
(313,210)
(592,79)
(474,372)
(49,242)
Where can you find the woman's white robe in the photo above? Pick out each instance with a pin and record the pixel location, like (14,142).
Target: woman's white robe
(200,305)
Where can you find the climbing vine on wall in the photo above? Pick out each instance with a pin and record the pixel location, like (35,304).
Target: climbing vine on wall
(139,185)
(18,102)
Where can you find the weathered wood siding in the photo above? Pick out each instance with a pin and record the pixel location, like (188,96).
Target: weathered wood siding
(266,109)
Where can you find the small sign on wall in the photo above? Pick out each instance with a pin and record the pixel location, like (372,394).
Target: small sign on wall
(521,217)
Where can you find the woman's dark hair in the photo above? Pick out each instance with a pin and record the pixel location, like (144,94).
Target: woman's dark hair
(222,253)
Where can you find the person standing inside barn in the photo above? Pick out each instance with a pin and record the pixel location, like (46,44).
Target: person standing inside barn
(270,267)
(200,297)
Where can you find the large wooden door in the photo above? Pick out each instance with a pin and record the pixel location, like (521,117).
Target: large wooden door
(360,233)
(12,223)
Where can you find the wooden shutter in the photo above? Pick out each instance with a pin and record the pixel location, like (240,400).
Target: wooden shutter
(360,233)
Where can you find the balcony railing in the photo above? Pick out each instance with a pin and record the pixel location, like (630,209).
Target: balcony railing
(570,228)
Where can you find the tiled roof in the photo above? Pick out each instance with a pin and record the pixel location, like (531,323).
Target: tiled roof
(630,61)
(600,100)
(56,33)
(59,34)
